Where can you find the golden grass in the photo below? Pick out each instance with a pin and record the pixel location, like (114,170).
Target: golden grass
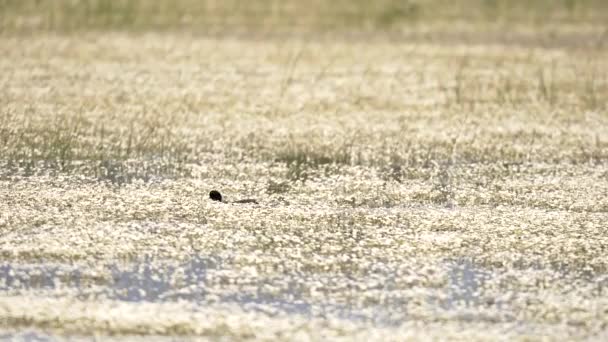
(408,187)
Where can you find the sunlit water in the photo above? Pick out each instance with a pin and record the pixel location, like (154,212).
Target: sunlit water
(147,281)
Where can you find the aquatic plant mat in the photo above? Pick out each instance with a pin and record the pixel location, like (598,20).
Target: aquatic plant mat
(408,188)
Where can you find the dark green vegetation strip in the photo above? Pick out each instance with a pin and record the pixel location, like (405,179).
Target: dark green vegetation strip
(290,15)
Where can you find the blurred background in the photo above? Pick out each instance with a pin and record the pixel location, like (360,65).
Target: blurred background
(289,16)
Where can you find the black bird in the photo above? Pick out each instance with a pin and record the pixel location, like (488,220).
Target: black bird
(216,196)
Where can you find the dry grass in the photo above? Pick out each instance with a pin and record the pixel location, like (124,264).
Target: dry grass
(408,186)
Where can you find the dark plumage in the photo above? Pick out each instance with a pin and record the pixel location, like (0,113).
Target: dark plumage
(216,196)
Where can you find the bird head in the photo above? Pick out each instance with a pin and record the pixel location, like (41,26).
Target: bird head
(215,195)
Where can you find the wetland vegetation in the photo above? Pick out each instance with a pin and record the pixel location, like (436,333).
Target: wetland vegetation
(424,169)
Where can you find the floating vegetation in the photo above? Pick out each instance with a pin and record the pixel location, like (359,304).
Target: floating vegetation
(406,189)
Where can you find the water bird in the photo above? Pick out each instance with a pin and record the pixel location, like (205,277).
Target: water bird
(215,195)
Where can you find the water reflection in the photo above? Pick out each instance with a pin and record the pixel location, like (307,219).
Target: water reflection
(465,282)
(139,281)
(196,280)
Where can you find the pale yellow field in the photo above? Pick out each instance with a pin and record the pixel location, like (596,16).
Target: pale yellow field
(409,188)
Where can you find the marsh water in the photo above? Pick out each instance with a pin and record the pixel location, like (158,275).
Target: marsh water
(407,189)
(192,280)
(147,281)
(154,281)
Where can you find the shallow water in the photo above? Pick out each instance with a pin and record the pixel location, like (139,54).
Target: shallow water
(151,281)
(155,281)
